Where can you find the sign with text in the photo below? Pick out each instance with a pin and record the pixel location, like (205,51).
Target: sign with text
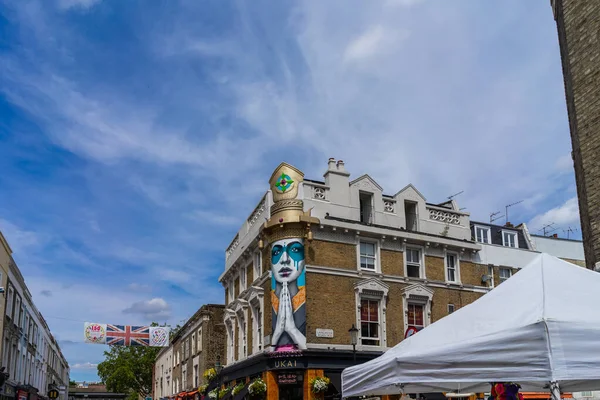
(287,379)
(324,333)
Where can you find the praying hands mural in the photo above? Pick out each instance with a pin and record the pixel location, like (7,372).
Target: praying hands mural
(288,294)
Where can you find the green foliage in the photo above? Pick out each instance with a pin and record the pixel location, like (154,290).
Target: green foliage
(72,383)
(128,370)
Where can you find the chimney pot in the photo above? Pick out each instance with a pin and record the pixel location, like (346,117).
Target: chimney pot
(331,164)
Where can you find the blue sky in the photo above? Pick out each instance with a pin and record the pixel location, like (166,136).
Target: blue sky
(136,136)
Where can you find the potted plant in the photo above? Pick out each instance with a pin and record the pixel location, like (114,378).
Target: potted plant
(210,374)
(257,389)
(319,384)
(238,388)
(202,389)
(224,392)
(213,394)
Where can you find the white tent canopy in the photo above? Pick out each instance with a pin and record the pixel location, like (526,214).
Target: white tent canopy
(540,326)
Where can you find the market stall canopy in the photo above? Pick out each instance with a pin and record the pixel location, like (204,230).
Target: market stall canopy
(542,325)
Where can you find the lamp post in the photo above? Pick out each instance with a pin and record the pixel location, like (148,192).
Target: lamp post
(218,368)
(354,340)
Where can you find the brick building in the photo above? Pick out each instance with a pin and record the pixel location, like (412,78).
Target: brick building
(193,349)
(578,23)
(339,253)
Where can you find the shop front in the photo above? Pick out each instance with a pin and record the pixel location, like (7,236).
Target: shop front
(288,374)
(8,392)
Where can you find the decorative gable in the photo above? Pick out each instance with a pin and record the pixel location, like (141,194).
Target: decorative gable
(367,184)
(418,292)
(411,193)
(372,286)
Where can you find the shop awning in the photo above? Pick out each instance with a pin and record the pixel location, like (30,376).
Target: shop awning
(542,325)
(543,395)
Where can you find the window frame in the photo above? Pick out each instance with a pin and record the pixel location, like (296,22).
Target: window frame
(510,273)
(456,266)
(379,338)
(423,311)
(10,301)
(193,343)
(243,278)
(421,251)
(230,290)
(516,238)
(376,257)
(257,264)
(451,308)
(489,233)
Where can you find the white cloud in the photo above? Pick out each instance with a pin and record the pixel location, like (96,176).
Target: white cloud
(156,308)
(138,287)
(83,4)
(563,216)
(366,44)
(85,365)
(564,163)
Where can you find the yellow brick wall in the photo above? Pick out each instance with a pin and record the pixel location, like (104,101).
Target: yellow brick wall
(330,254)
(392,262)
(250,274)
(434,268)
(330,305)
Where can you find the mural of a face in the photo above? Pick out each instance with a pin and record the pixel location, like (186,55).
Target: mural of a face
(287,259)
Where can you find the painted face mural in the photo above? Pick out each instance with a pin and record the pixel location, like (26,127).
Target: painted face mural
(287,260)
(288,294)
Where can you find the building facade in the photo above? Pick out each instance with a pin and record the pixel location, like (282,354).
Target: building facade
(94,392)
(30,353)
(340,253)
(179,368)
(578,23)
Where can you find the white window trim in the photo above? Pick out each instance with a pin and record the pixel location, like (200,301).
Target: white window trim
(257,260)
(243,333)
(421,250)
(510,273)
(243,278)
(489,233)
(230,289)
(377,254)
(456,266)
(372,289)
(516,238)
(417,294)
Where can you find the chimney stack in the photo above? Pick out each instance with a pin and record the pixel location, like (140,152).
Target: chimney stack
(509,225)
(331,164)
(340,166)
(555,236)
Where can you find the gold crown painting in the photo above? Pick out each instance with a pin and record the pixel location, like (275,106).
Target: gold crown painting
(288,218)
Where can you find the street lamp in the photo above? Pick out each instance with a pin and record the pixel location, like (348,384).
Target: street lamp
(218,368)
(354,340)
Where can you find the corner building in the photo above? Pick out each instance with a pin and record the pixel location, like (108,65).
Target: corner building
(318,257)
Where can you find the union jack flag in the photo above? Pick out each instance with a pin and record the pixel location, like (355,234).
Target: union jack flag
(127,335)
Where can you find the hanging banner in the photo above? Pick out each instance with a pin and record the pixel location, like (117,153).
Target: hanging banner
(94,333)
(126,335)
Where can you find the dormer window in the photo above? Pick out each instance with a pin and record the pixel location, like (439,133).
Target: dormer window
(366,207)
(482,234)
(509,239)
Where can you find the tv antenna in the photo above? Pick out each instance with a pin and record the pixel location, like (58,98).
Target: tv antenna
(494,216)
(569,231)
(455,194)
(510,205)
(548,228)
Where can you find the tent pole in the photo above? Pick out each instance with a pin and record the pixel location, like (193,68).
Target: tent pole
(555,390)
